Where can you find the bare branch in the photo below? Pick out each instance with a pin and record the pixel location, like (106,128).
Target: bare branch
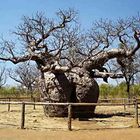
(100,59)
(55,68)
(98,74)
(136,36)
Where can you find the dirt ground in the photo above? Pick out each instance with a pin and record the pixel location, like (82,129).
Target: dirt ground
(110,123)
(107,134)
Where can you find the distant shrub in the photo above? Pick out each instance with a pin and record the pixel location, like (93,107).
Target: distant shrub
(9,91)
(16,92)
(118,91)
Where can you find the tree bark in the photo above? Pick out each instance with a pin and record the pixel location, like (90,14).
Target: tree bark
(75,86)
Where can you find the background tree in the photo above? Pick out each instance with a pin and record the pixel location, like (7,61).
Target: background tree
(27,75)
(129,67)
(2,76)
(137,75)
(69,59)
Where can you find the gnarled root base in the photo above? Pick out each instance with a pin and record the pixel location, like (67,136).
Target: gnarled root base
(62,111)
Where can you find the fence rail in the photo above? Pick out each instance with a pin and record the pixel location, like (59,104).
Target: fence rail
(36,98)
(70,105)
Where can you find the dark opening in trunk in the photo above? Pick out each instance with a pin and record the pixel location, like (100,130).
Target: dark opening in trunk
(73,97)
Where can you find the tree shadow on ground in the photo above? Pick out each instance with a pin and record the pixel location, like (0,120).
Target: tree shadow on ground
(121,114)
(101,115)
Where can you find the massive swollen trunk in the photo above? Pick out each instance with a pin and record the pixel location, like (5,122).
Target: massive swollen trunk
(75,86)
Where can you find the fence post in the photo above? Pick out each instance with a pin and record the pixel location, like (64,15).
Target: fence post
(34,103)
(69,117)
(9,104)
(23,115)
(124,104)
(136,124)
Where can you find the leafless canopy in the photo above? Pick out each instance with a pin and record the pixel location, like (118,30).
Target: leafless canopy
(26,74)
(61,45)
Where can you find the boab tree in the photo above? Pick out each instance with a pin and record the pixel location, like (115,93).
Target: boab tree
(68,59)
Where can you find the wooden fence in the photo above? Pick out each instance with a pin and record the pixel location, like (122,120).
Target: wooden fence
(70,105)
(124,101)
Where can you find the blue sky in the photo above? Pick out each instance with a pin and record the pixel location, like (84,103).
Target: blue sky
(11,11)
